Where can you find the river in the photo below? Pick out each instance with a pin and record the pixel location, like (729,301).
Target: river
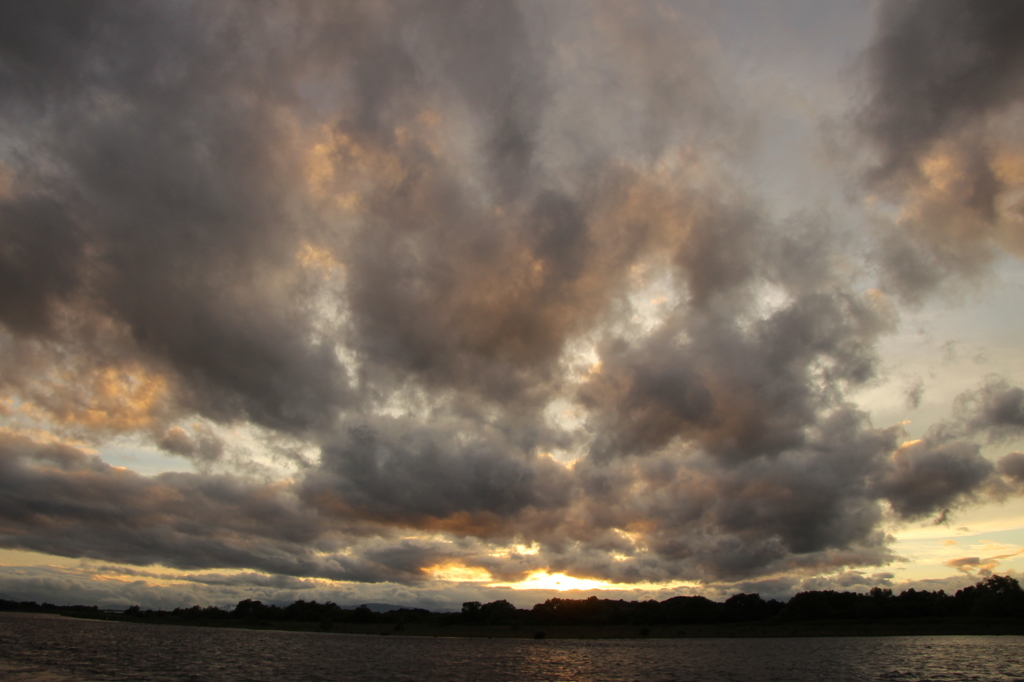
(42,648)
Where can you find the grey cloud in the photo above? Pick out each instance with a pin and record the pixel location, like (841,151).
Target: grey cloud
(117,589)
(914,393)
(639,80)
(937,66)
(76,507)
(966,564)
(486,52)
(995,411)
(245,579)
(385,232)
(924,476)
(945,469)
(205,446)
(176,178)
(721,371)
(721,253)
(39,261)
(1012,466)
(177,119)
(459,297)
(942,78)
(855,581)
(175,153)
(739,392)
(485,297)
(813,499)
(908,268)
(401,471)
(38,44)
(810,508)
(90,491)
(1002,409)
(249,579)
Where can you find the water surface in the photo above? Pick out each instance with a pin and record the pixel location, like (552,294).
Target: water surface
(41,648)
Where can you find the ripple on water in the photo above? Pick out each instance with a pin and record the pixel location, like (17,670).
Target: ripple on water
(41,648)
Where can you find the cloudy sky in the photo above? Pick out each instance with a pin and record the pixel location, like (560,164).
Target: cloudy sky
(425,301)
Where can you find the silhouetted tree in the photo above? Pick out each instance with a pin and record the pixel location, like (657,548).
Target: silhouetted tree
(471,611)
(498,612)
(691,610)
(749,607)
(363,614)
(995,596)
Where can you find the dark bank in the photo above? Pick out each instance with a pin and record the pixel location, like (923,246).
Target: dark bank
(994,606)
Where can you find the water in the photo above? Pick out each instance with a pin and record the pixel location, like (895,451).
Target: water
(42,648)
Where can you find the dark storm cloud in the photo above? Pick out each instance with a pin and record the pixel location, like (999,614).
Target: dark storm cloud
(811,504)
(999,407)
(1012,467)
(399,237)
(741,391)
(945,78)
(59,500)
(174,156)
(995,411)
(938,67)
(496,66)
(144,133)
(39,259)
(946,468)
(461,297)
(721,253)
(483,296)
(38,43)
(738,384)
(816,497)
(51,481)
(924,476)
(398,470)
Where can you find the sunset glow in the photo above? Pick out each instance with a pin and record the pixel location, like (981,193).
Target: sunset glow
(542,580)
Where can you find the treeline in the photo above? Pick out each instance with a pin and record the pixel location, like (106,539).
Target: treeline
(993,597)
(45,607)
(298,612)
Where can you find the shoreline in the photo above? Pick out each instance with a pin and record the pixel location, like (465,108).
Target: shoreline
(909,627)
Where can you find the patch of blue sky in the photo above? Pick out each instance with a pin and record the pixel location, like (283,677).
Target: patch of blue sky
(143,460)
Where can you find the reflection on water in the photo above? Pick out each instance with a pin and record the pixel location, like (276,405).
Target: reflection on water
(54,649)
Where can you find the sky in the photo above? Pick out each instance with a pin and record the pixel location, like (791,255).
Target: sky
(427,302)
